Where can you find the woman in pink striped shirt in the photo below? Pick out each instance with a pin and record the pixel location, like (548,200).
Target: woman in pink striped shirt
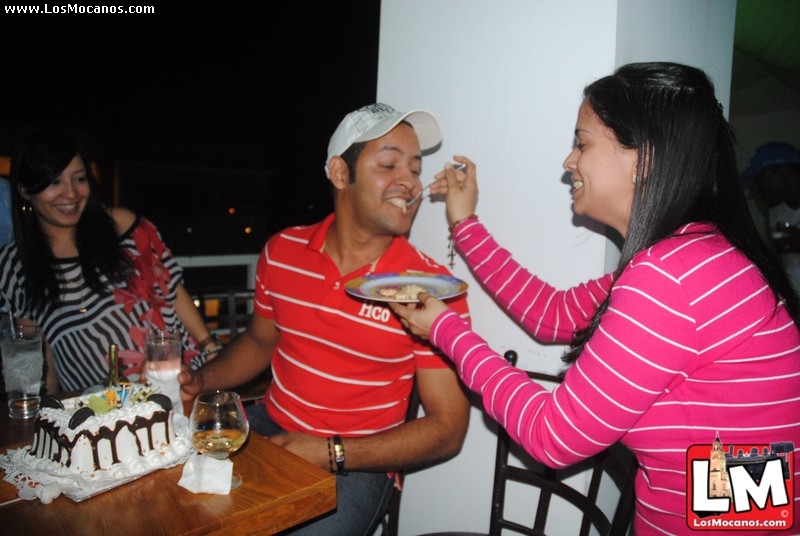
(695,333)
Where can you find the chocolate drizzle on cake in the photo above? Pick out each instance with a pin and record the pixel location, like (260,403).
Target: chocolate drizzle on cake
(50,443)
(161,400)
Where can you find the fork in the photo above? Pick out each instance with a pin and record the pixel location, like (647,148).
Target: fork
(419,195)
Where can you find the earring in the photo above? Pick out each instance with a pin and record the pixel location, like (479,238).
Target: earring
(634,178)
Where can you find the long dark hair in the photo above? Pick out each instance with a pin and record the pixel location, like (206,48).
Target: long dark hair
(38,159)
(686,168)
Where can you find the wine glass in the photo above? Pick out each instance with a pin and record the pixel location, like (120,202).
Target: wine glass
(218,426)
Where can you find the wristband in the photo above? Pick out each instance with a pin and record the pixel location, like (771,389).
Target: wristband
(208,340)
(462,220)
(338,455)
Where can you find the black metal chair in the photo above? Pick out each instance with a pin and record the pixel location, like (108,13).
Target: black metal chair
(616,462)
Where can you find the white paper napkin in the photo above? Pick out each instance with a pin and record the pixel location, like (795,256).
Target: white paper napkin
(204,474)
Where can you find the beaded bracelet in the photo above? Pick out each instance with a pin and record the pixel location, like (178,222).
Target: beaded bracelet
(451,248)
(459,222)
(208,340)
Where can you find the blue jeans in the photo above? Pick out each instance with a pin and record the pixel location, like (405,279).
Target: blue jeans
(361,497)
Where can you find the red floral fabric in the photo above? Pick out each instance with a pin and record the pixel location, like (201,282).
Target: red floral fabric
(148,282)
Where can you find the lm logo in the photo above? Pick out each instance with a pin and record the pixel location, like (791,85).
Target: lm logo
(743,487)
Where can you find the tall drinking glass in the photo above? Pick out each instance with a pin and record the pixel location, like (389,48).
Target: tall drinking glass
(23,364)
(218,426)
(163,364)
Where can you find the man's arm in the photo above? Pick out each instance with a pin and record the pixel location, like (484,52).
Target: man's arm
(247,356)
(436,436)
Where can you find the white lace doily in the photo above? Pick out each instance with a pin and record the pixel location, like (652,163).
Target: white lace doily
(45,480)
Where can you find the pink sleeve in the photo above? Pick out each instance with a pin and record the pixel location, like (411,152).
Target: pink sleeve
(548,314)
(626,366)
(426,354)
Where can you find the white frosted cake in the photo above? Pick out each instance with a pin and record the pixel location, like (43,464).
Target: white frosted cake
(97,432)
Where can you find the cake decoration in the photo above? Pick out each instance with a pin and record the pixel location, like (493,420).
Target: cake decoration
(116,426)
(50,402)
(80,416)
(125,431)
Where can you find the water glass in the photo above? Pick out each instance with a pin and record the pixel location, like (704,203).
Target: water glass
(23,364)
(163,364)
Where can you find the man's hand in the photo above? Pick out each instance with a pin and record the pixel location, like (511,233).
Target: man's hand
(191,383)
(311,448)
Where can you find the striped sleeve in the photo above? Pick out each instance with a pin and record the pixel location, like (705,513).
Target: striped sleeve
(262,301)
(11,295)
(626,366)
(547,314)
(693,345)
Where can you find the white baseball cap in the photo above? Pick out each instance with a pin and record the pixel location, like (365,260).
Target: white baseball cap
(375,120)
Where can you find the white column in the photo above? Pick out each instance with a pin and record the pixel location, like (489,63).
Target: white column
(505,78)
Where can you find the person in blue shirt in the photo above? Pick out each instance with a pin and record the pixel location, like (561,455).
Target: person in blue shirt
(6,223)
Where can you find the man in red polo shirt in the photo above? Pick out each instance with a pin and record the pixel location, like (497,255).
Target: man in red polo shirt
(343,367)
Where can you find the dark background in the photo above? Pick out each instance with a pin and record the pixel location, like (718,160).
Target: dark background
(207,121)
(193,111)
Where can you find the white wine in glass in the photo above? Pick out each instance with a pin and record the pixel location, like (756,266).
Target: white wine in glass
(218,426)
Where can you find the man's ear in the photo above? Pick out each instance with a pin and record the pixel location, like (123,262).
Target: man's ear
(338,173)
(22,193)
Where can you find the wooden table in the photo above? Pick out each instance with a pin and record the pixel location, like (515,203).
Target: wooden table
(280,490)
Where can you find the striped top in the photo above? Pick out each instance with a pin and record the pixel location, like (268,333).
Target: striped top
(342,365)
(691,345)
(79,340)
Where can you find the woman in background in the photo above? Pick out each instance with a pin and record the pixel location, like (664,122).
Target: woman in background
(89,276)
(695,333)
